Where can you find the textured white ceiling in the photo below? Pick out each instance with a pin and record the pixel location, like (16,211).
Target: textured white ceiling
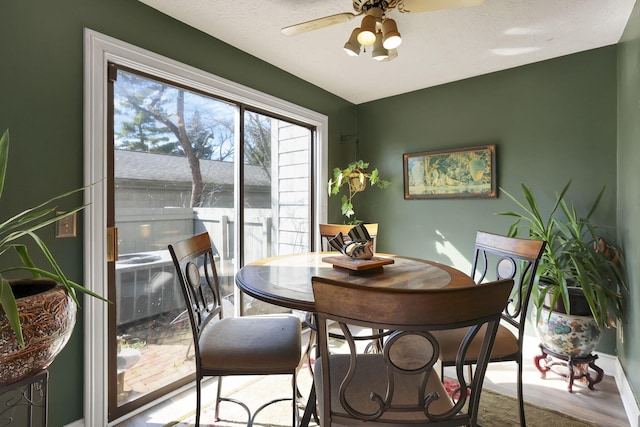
(438,47)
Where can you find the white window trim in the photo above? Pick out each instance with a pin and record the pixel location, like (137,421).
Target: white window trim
(100,49)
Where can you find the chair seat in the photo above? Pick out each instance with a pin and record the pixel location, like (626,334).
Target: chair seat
(371,377)
(505,346)
(251,345)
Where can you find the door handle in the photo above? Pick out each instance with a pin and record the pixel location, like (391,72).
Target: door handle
(112,244)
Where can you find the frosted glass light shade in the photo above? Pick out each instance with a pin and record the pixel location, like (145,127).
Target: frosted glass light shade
(391,38)
(352,47)
(379,52)
(367,34)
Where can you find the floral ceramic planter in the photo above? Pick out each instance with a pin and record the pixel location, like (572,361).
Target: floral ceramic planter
(47,314)
(567,334)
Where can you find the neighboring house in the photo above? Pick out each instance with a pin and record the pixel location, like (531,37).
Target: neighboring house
(161,181)
(153,193)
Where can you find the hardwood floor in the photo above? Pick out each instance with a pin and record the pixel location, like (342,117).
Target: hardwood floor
(602,405)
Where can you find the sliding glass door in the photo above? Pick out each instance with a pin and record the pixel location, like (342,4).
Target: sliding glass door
(276,216)
(184,162)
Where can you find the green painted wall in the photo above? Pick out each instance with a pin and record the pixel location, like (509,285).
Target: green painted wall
(628,195)
(41,102)
(551,121)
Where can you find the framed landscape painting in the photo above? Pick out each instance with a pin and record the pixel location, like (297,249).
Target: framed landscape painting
(456,173)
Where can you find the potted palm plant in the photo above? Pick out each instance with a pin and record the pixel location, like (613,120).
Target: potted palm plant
(354,178)
(37,315)
(580,274)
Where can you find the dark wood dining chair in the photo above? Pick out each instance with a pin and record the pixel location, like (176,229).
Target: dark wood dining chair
(400,385)
(327,231)
(500,257)
(249,345)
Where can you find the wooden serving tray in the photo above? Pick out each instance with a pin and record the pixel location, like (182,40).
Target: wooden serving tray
(358,266)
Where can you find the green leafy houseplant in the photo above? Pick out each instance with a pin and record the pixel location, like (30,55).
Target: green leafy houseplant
(355,176)
(24,225)
(576,256)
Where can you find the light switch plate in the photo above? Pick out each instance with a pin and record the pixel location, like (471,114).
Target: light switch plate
(66,227)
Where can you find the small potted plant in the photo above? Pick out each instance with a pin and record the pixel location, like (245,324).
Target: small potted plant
(578,266)
(49,293)
(355,177)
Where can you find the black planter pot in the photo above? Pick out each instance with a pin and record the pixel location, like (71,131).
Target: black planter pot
(577,302)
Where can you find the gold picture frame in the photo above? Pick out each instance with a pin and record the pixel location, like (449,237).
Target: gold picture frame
(456,173)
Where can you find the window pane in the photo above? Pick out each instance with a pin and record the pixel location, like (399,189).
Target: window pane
(174,177)
(277,173)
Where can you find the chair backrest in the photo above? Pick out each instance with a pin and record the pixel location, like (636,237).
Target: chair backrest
(195,265)
(502,257)
(404,316)
(327,231)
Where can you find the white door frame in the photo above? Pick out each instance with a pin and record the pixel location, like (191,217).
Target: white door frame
(99,50)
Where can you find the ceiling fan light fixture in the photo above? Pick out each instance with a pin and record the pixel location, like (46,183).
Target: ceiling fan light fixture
(391,38)
(352,46)
(379,52)
(367,33)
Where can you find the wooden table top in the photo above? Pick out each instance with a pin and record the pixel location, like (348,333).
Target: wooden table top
(286,280)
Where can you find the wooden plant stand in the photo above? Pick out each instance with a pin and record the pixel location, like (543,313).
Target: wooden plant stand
(572,368)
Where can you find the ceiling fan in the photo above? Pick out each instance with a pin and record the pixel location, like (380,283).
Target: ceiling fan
(376,29)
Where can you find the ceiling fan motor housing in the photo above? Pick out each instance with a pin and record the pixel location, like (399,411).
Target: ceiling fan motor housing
(365,5)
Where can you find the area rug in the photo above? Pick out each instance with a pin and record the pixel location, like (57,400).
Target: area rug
(496,410)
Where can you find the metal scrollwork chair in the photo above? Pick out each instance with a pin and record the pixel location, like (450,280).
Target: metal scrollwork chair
(400,385)
(251,345)
(501,257)
(329,231)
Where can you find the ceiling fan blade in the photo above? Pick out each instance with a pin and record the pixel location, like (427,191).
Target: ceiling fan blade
(431,5)
(318,23)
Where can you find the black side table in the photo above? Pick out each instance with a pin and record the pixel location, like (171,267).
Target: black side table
(572,368)
(25,401)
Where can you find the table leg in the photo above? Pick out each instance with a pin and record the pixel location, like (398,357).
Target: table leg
(307,359)
(310,408)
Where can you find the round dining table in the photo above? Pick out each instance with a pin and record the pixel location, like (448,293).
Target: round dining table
(286,280)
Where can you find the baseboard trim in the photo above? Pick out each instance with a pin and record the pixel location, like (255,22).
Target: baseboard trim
(608,363)
(626,394)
